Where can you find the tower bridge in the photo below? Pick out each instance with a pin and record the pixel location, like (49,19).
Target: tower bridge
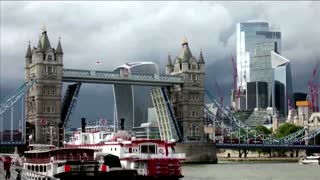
(179,99)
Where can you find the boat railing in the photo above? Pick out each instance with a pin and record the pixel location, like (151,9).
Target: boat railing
(154,156)
(17,171)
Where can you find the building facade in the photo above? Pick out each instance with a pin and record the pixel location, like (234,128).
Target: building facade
(43,100)
(132,102)
(250,34)
(188,99)
(282,79)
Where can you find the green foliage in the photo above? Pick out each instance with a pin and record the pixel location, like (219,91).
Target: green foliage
(286,129)
(6,149)
(263,130)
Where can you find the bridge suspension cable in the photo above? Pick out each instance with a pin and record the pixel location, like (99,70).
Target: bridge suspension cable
(8,103)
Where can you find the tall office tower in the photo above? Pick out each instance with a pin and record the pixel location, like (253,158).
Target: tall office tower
(282,97)
(132,102)
(249,35)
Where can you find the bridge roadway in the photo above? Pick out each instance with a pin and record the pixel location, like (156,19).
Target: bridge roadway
(267,146)
(107,77)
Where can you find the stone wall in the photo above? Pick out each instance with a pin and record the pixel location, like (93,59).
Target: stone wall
(198,152)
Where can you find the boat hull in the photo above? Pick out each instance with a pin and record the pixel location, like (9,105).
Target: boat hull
(126,174)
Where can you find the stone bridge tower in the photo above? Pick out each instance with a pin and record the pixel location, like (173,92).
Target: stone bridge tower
(43,100)
(188,99)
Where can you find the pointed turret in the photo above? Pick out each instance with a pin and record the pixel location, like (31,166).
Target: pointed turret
(201,59)
(185,53)
(29,54)
(44,40)
(169,62)
(59,48)
(39,43)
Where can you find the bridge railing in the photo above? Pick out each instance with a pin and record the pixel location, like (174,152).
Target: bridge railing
(67,73)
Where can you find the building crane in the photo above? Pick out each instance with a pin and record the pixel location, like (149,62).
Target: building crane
(235,79)
(219,92)
(313,87)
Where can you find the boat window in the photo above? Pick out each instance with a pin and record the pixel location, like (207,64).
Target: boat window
(44,168)
(111,149)
(41,169)
(28,167)
(130,150)
(37,168)
(150,149)
(115,149)
(136,165)
(32,168)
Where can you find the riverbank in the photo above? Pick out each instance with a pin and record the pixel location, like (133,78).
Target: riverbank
(273,159)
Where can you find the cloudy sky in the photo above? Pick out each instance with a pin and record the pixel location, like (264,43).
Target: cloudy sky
(119,32)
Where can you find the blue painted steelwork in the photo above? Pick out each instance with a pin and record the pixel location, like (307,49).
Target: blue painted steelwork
(267,146)
(105,77)
(172,115)
(268,142)
(235,123)
(14,97)
(72,104)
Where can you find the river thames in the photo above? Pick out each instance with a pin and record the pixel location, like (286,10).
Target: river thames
(251,171)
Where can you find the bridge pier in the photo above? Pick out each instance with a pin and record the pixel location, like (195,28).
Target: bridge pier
(198,152)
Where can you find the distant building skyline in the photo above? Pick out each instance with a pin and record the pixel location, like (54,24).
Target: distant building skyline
(250,34)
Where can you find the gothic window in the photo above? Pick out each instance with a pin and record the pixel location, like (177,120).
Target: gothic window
(53,92)
(180,66)
(193,66)
(50,69)
(190,130)
(52,109)
(44,91)
(49,57)
(193,77)
(48,108)
(197,130)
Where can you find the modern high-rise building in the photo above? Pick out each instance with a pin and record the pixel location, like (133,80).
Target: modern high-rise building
(261,66)
(133,100)
(282,97)
(250,34)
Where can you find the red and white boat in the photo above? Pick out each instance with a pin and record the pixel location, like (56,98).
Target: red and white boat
(152,158)
(45,161)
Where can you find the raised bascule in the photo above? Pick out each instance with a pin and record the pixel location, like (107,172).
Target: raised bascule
(178,98)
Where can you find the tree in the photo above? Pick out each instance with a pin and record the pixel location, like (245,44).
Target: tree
(263,130)
(286,129)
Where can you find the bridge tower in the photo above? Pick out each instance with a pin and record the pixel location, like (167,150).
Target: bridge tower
(43,100)
(188,99)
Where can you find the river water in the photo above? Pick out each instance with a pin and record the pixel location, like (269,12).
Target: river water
(251,171)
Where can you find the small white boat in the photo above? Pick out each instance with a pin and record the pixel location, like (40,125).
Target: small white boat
(310,160)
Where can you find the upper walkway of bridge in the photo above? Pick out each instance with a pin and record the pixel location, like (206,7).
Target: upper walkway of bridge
(122,77)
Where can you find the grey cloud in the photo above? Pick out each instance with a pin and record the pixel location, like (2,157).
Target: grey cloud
(118,32)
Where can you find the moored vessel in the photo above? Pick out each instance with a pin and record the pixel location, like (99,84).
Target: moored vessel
(310,160)
(152,158)
(63,163)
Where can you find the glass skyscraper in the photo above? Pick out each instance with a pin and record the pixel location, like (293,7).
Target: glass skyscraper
(132,102)
(283,90)
(250,34)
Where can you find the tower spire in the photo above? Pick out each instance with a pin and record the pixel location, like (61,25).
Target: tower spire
(169,62)
(29,54)
(59,48)
(44,28)
(44,40)
(201,59)
(184,41)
